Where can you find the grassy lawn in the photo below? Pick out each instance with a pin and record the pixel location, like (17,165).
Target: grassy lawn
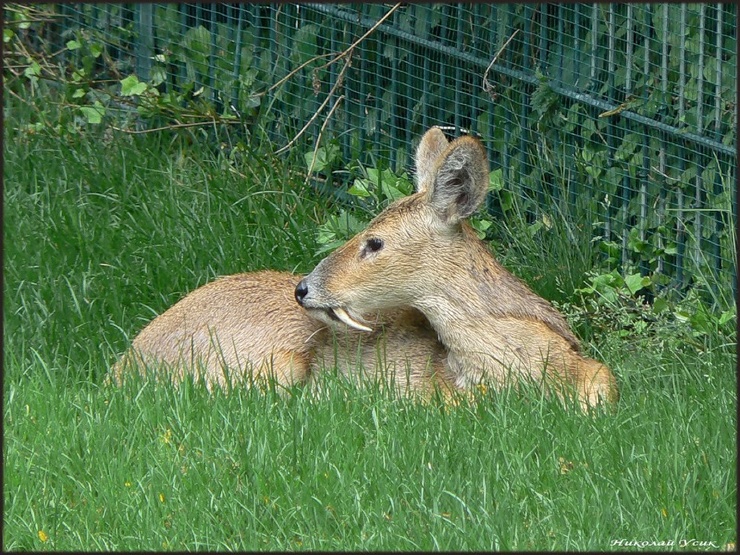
(101,233)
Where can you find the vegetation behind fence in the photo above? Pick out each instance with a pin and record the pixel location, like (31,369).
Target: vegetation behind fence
(619,119)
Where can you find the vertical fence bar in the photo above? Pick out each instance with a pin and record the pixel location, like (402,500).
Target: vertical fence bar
(349,98)
(703,158)
(645,168)
(477,15)
(393,118)
(408,76)
(718,74)
(523,135)
(680,226)
(560,44)
(577,41)
(594,86)
(610,126)
(509,175)
(363,111)
(333,76)
(626,189)
(718,225)
(594,45)
(442,66)
(344,111)
(488,102)
(217,95)
(425,71)
(629,50)
(560,189)
(236,71)
(487,128)
(204,77)
(144,40)
(544,32)
(197,81)
(662,136)
(270,32)
(378,90)
(56,39)
(458,69)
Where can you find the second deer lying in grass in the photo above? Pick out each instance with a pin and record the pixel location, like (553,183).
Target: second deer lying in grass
(421,253)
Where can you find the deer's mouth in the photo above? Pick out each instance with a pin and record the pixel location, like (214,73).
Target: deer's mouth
(344,315)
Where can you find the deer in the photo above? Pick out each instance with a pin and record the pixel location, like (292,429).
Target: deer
(247,328)
(421,253)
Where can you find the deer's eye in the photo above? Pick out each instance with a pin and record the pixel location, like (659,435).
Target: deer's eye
(372,245)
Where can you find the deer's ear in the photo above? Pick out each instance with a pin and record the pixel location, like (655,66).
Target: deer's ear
(459,180)
(433,143)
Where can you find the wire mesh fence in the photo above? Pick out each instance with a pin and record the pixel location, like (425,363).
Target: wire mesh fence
(620,118)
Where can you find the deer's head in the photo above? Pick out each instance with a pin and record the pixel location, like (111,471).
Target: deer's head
(409,245)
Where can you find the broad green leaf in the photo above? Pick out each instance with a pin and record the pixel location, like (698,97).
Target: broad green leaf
(93,114)
(33,70)
(496,180)
(635,282)
(373,175)
(158,76)
(726,316)
(322,158)
(131,86)
(659,305)
(359,189)
(480,226)
(390,190)
(507,200)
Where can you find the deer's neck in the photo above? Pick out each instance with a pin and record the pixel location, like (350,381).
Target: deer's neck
(477,305)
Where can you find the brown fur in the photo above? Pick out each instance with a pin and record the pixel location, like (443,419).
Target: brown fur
(250,326)
(491,323)
(402,351)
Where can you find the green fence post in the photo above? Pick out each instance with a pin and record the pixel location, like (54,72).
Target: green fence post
(144,40)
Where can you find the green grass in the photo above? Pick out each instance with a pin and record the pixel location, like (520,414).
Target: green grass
(101,236)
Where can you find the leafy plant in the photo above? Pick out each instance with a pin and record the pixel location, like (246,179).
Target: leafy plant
(627,308)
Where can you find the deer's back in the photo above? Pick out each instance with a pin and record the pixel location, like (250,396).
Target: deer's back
(242,323)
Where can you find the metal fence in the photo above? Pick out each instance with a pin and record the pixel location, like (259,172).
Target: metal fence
(619,117)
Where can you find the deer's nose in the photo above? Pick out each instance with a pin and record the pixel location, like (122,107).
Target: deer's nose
(301,290)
